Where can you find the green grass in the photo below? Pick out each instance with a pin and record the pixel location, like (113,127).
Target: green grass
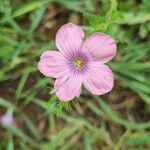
(89,122)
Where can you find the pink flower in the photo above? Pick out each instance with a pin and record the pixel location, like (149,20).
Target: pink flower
(7,119)
(79,62)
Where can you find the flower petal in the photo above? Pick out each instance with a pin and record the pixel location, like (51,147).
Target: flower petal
(99,79)
(67,88)
(102,47)
(48,53)
(69,38)
(52,64)
(8,120)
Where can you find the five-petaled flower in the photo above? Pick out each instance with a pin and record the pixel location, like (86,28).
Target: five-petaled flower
(79,62)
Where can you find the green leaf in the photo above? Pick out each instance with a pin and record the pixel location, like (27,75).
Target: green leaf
(59,139)
(138,139)
(95,20)
(87,142)
(10,144)
(77,5)
(7,104)
(132,18)
(29,7)
(37,17)
(56,106)
(20,134)
(116,118)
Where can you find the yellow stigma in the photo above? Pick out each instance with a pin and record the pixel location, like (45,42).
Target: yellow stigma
(78,63)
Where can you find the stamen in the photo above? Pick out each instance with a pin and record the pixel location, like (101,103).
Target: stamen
(78,63)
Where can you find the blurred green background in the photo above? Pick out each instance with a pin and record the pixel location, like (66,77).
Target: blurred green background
(118,120)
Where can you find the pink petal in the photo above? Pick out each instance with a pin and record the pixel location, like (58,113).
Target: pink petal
(67,88)
(102,47)
(69,38)
(48,53)
(52,64)
(8,120)
(99,79)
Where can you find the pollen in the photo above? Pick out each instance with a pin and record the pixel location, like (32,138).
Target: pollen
(78,63)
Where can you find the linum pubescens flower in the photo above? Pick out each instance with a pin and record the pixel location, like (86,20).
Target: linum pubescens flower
(7,119)
(79,62)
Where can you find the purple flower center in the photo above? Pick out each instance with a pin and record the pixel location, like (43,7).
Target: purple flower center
(78,62)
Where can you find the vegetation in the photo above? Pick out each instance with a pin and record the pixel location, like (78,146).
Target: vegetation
(116,121)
